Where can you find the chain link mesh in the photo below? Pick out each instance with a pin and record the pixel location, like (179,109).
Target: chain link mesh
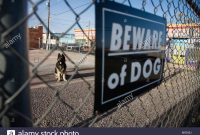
(70,104)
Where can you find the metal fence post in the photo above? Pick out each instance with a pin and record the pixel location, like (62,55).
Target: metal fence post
(13,70)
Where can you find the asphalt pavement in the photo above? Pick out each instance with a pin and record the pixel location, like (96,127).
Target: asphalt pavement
(75,102)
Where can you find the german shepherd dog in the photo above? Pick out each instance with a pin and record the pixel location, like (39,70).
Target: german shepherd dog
(60,68)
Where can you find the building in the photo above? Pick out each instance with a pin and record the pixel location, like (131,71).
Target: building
(182,40)
(184,30)
(54,40)
(35,37)
(66,38)
(82,39)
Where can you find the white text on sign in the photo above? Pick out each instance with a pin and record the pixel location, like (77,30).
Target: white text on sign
(121,38)
(114,79)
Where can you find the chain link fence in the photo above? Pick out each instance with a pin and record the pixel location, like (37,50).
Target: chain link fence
(70,103)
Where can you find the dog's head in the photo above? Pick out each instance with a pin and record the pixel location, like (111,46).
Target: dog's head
(61,58)
(61,65)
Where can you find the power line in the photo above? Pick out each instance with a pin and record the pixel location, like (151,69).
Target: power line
(70,10)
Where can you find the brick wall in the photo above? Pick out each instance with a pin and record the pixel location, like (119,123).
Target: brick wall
(34,35)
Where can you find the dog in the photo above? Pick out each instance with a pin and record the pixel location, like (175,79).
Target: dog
(60,68)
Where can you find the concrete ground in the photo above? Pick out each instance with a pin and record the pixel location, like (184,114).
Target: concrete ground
(36,56)
(74,103)
(47,68)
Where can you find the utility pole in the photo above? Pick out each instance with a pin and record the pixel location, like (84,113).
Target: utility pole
(88,34)
(47,36)
(39,43)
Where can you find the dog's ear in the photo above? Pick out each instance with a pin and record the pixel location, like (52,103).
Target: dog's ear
(59,55)
(63,56)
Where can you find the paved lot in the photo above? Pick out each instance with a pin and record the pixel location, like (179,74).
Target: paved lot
(36,56)
(152,106)
(47,68)
(73,95)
